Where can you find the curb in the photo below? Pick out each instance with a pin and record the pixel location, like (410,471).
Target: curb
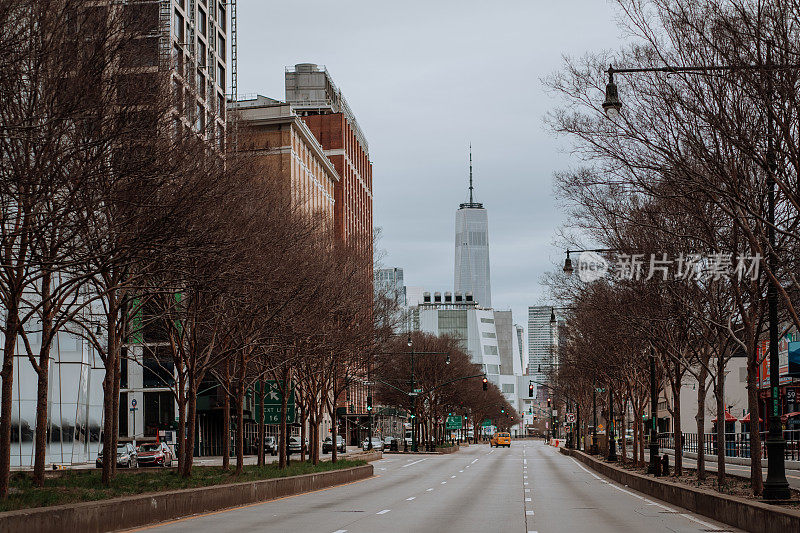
(743,461)
(744,514)
(136,511)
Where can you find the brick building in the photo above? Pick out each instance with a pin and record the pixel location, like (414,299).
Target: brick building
(286,148)
(313,95)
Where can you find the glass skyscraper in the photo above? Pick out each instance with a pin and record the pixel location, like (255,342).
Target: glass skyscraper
(472,249)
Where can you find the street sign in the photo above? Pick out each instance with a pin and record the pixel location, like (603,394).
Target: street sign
(272,404)
(555,413)
(486,423)
(600,427)
(571,418)
(453,422)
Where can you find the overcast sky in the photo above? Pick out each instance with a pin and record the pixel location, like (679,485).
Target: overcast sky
(424,79)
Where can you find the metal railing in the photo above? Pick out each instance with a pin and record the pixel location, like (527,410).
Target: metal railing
(735,445)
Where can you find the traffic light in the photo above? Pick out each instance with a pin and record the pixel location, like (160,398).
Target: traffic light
(502,410)
(530,390)
(548,402)
(369,403)
(485,383)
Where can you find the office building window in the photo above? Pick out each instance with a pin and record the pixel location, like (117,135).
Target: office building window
(508,388)
(488,335)
(490,350)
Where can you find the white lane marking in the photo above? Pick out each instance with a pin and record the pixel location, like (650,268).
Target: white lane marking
(528,500)
(704,524)
(585,469)
(474,461)
(411,498)
(524,477)
(444,482)
(524,461)
(382,469)
(428,490)
(340,531)
(529,513)
(415,462)
(384,511)
(527,490)
(452,477)
(525,483)
(461,471)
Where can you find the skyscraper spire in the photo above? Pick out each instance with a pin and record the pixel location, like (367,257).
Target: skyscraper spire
(470,172)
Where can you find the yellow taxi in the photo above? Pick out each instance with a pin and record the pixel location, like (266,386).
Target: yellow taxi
(500,439)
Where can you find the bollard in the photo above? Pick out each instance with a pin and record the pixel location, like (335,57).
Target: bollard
(665,465)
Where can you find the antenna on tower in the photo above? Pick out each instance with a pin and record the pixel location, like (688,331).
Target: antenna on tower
(470,172)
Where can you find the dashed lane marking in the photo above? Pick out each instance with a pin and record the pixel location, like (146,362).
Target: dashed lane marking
(415,462)
(529,513)
(474,461)
(411,498)
(444,482)
(428,490)
(384,511)
(528,500)
(452,477)
(340,531)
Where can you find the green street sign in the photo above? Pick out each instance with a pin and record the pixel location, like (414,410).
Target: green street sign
(272,404)
(486,423)
(453,422)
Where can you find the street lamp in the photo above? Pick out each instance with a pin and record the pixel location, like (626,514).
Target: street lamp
(612,104)
(776,486)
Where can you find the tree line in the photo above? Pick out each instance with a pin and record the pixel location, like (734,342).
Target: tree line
(678,182)
(123,222)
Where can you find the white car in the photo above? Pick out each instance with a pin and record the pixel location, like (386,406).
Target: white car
(377,444)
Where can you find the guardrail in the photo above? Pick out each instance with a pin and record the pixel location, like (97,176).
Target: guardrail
(735,445)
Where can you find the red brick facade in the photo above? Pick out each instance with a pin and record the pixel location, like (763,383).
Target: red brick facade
(353,192)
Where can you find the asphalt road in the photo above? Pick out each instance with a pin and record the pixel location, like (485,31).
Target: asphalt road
(528,487)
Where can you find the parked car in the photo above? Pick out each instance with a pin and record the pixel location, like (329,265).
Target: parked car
(126,456)
(154,454)
(387,442)
(270,446)
(377,444)
(294,445)
(327,446)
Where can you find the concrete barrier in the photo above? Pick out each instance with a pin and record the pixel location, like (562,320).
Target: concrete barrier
(137,511)
(739,512)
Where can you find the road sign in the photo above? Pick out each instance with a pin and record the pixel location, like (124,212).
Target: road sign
(453,422)
(600,427)
(272,404)
(486,423)
(555,413)
(571,418)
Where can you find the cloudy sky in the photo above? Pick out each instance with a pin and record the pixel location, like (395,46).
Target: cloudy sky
(425,78)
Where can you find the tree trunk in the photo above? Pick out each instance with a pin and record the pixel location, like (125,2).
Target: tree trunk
(240,390)
(181,437)
(302,432)
(191,430)
(720,397)
(43,374)
(226,431)
(756,472)
(7,375)
(283,439)
(701,423)
(261,426)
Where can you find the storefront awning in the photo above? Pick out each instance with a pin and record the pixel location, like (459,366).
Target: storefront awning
(728,418)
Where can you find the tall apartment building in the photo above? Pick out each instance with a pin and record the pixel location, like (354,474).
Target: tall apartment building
(186,39)
(472,249)
(194,41)
(313,95)
(285,149)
